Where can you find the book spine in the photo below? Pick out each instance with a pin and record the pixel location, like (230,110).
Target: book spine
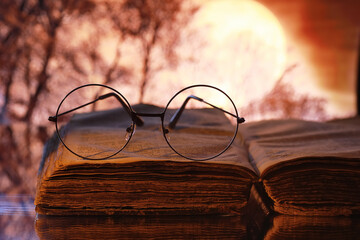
(259,202)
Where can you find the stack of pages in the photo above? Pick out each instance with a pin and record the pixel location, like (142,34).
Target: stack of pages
(307,168)
(298,168)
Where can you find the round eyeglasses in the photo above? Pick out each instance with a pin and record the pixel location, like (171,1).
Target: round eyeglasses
(199,123)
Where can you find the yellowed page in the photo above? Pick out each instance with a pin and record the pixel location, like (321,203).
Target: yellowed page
(278,143)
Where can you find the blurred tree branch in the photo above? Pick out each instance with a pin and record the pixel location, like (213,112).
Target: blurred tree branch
(284,103)
(42,46)
(28,39)
(157,25)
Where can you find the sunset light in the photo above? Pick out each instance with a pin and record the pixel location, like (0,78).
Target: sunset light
(111,109)
(238,46)
(247,44)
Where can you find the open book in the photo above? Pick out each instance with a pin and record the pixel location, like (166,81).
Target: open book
(292,166)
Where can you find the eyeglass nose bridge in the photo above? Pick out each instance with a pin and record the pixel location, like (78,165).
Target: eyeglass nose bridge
(160,115)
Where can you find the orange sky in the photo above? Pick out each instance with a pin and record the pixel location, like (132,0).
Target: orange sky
(327,35)
(320,36)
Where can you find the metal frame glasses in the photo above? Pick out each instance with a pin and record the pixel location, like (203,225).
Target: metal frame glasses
(136,117)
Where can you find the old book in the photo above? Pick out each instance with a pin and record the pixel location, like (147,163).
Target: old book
(288,166)
(146,177)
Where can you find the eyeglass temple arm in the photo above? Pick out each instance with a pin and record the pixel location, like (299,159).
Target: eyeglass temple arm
(178,113)
(134,117)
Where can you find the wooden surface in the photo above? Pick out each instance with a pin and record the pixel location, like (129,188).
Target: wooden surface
(19,221)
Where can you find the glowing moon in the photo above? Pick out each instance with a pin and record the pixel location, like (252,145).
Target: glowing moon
(244,51)
(230,16)
(236,45)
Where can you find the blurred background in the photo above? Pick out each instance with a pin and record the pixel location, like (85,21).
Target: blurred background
(275,58)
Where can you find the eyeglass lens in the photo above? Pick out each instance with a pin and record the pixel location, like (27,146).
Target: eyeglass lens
(100,126)
(203,130)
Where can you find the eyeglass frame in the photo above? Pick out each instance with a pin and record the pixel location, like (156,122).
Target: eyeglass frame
(137,120)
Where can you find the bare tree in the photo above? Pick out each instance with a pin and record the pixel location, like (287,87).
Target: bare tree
(28,39)
(39,54)
(284,102)
(157,25)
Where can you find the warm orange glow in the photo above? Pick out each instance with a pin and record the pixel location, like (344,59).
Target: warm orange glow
(234,22)
(231,16)
(241,49)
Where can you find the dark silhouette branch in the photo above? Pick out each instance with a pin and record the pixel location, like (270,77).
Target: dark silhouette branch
(147,55)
